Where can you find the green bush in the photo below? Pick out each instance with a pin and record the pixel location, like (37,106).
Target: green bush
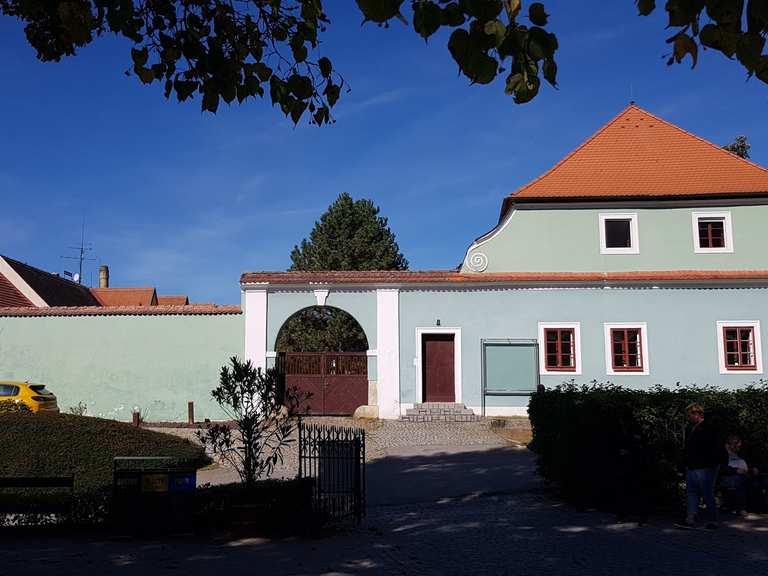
(579,433)
(37,445)
(7,407)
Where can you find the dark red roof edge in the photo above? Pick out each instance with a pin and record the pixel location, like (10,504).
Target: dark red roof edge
(454,277)
(188,310)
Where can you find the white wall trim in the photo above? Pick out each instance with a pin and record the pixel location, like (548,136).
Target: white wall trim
(755,325)
(727,226)
(456,359)
(643,326)
(490,236)
(491,411)
(371,353)
(321,296)
(20,284)
(388,352)
(256,327)
(576,326)
(634,233)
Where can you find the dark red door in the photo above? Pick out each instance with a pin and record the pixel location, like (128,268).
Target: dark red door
(437,374)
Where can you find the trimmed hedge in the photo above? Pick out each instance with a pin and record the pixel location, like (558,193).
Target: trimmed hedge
(582,435)
(65,444)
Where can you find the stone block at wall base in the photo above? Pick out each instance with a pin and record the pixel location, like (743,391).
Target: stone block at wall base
(368,411)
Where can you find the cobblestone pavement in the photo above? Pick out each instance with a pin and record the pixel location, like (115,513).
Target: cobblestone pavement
(502,521)
(382,437)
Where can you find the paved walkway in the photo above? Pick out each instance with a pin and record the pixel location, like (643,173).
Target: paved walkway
(440,509)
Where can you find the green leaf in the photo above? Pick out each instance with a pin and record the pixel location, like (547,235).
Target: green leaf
(332,93)
(139,57)
(325,66)
(427,18)
(145,74)
(263,71)
(683,45)
(528,90)
(453,15)
(210,98)
(297,111)
(496,28)
(513,81)
(646,6)
(184,88)
(749,50)
(537,14)
(380,10)
(550,71)
(513,8)
(458,45)
(300,86)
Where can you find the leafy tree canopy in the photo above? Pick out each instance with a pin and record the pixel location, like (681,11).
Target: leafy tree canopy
(321,329)
(238,50)
(349,236)
(740,147)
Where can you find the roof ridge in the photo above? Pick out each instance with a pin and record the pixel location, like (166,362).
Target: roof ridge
(53,275)
(699,138)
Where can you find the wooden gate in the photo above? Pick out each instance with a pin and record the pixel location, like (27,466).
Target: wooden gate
(337,381)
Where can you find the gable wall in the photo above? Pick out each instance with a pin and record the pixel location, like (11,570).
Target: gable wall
(567,240)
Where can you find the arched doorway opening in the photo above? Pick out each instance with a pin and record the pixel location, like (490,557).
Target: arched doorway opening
(322,351)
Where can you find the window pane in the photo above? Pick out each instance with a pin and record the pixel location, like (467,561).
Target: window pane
(551,360)
(551,347)
(617,234)
(712,233)
(551,335)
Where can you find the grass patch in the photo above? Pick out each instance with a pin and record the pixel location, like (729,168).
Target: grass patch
(64,444)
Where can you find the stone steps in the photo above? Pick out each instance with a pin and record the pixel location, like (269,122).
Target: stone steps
(440,412)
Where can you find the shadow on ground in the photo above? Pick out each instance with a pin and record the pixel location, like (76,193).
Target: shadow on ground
(446,511)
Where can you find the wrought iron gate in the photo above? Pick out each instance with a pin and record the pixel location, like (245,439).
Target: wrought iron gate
(336,381)
(333,458)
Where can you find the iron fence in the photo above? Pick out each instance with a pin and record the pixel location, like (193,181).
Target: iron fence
(333,459)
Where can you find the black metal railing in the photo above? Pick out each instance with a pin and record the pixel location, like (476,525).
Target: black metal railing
(333,459)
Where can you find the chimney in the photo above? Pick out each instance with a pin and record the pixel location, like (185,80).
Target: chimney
(103,276)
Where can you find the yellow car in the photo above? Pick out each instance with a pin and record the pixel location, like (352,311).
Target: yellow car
(33,396)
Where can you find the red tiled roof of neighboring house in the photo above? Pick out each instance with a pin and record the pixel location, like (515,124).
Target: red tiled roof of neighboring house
(452,277)
(638,155)
(10,296)
(125,296)
(191,310)
(172,300)
(53,289)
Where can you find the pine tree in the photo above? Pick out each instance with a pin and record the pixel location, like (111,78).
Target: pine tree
(740,147)
(350,235)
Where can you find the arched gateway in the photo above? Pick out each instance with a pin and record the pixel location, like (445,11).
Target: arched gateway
(322,350)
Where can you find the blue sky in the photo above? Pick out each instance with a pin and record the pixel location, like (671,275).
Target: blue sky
(187,201)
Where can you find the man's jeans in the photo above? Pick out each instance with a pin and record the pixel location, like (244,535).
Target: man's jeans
(700,484)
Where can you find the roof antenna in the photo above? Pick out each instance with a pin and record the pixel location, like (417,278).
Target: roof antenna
(81,257)
(631,94)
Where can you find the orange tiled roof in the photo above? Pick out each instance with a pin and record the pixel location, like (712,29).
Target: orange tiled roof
(640,155)
(453,277)
(10,296)
(125,296)
(191,310)
(172,300)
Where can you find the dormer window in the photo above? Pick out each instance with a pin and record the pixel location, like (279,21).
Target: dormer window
(712,232)
(618,234)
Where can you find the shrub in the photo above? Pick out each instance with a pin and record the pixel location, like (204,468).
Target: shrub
(64,444)
(262,414)
(581,432)
(7,407)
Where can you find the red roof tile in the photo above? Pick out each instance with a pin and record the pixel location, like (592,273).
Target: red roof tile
(640,155)
(191,310)
(125,296)
(453,277)
(10,296)
(172,300)
(53,289)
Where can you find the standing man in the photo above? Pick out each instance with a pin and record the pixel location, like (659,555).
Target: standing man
(703,454)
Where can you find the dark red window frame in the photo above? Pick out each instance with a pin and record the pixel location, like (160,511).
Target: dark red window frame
(624,353)
(709,236)
(559,365)
(734,356)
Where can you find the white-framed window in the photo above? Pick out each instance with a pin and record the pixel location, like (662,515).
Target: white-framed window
(712,232)
(626,349)
(560,348)
(619,234)
(739,347)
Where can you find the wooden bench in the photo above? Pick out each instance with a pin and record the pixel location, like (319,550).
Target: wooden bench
(35,483)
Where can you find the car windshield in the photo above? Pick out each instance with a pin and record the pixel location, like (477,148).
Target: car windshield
(39,388)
